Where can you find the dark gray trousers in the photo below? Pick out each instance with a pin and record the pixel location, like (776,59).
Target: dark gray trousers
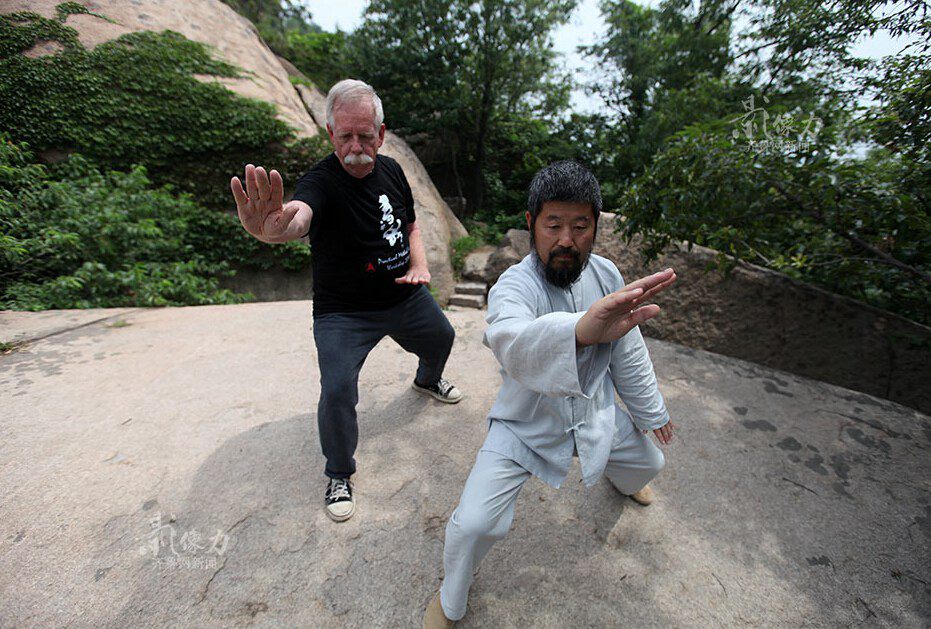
(344,340)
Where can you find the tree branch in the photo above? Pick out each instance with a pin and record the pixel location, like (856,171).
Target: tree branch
(853,238)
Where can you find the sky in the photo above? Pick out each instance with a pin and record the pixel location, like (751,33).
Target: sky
(583,28)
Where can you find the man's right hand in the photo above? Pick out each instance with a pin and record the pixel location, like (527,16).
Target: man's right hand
(614,315)
(262,212)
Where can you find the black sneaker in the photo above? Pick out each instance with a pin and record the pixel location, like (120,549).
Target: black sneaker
(339,503)
(443,390)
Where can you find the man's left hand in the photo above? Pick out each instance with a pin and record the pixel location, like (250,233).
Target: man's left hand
(414,276)
(664,433)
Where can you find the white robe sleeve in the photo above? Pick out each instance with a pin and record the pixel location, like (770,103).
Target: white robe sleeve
(635,381)
(540,352)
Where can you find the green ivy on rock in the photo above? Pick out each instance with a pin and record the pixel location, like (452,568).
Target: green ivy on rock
(133,106)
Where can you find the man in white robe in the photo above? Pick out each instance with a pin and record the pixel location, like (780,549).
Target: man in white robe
(563,326)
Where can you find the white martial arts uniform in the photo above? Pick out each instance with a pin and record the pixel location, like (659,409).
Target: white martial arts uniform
(556,401)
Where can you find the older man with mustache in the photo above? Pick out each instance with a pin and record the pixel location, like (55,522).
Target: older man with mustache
(370,270)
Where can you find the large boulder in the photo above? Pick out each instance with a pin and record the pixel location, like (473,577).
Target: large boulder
(514,247)
(439,225)
(518,240)
(232,37)
(475,265)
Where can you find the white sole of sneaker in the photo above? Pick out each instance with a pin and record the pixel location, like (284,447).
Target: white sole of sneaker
(340,518)
(434,395)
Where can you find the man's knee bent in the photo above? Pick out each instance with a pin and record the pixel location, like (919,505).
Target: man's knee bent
(479,523)
(437,340)
(657,461)
(341,385)
(449,335)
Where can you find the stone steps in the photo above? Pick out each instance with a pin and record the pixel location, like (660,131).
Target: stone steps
(471,288)
(468,301)
(469,295)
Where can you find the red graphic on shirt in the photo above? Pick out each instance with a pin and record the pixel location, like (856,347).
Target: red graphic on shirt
(369,268)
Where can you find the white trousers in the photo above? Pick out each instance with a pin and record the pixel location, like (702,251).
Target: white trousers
(486,509)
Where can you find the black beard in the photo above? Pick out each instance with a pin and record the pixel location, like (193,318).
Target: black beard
(563,276)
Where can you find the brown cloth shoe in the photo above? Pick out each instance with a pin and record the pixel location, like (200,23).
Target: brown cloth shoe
(434,618)
(644,496)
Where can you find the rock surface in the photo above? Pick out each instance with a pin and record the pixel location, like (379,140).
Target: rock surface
(518,240)
(467,301)
(514,247)
(475,265)
(785,501)
(472,288)
(232,37)
(499,261)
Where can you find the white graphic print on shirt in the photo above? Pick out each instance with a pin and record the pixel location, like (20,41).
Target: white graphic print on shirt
(390,226)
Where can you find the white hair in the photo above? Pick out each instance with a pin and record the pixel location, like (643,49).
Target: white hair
(349,90)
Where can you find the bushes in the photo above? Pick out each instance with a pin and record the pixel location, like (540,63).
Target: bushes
(83,239)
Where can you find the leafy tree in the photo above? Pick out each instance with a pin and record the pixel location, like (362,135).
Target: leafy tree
(457,71)
(844,224)
(797,197)
(661,69)
(276,21)
(320,55)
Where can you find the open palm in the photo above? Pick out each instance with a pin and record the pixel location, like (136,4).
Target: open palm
(614,315)
(261,211)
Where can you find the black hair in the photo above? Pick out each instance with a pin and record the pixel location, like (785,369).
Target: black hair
(563,181)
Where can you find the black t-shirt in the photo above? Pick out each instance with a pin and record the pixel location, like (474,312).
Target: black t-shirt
(358,234)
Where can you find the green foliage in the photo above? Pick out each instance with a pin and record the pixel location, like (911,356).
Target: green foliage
(208,179)
(806,204)
(666,69)
(846,225)
(321,56)
(462,247)
(66,9)
(83,238)
(10,347)
(299,80)
(520,147)
(901,123)
(130,97)
(134,100)
(457,70)
(275,20)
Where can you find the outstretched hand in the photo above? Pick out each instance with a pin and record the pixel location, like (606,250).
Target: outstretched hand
(614,315)
(261,211)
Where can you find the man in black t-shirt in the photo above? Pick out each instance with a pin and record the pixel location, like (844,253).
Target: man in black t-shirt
(369,270)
